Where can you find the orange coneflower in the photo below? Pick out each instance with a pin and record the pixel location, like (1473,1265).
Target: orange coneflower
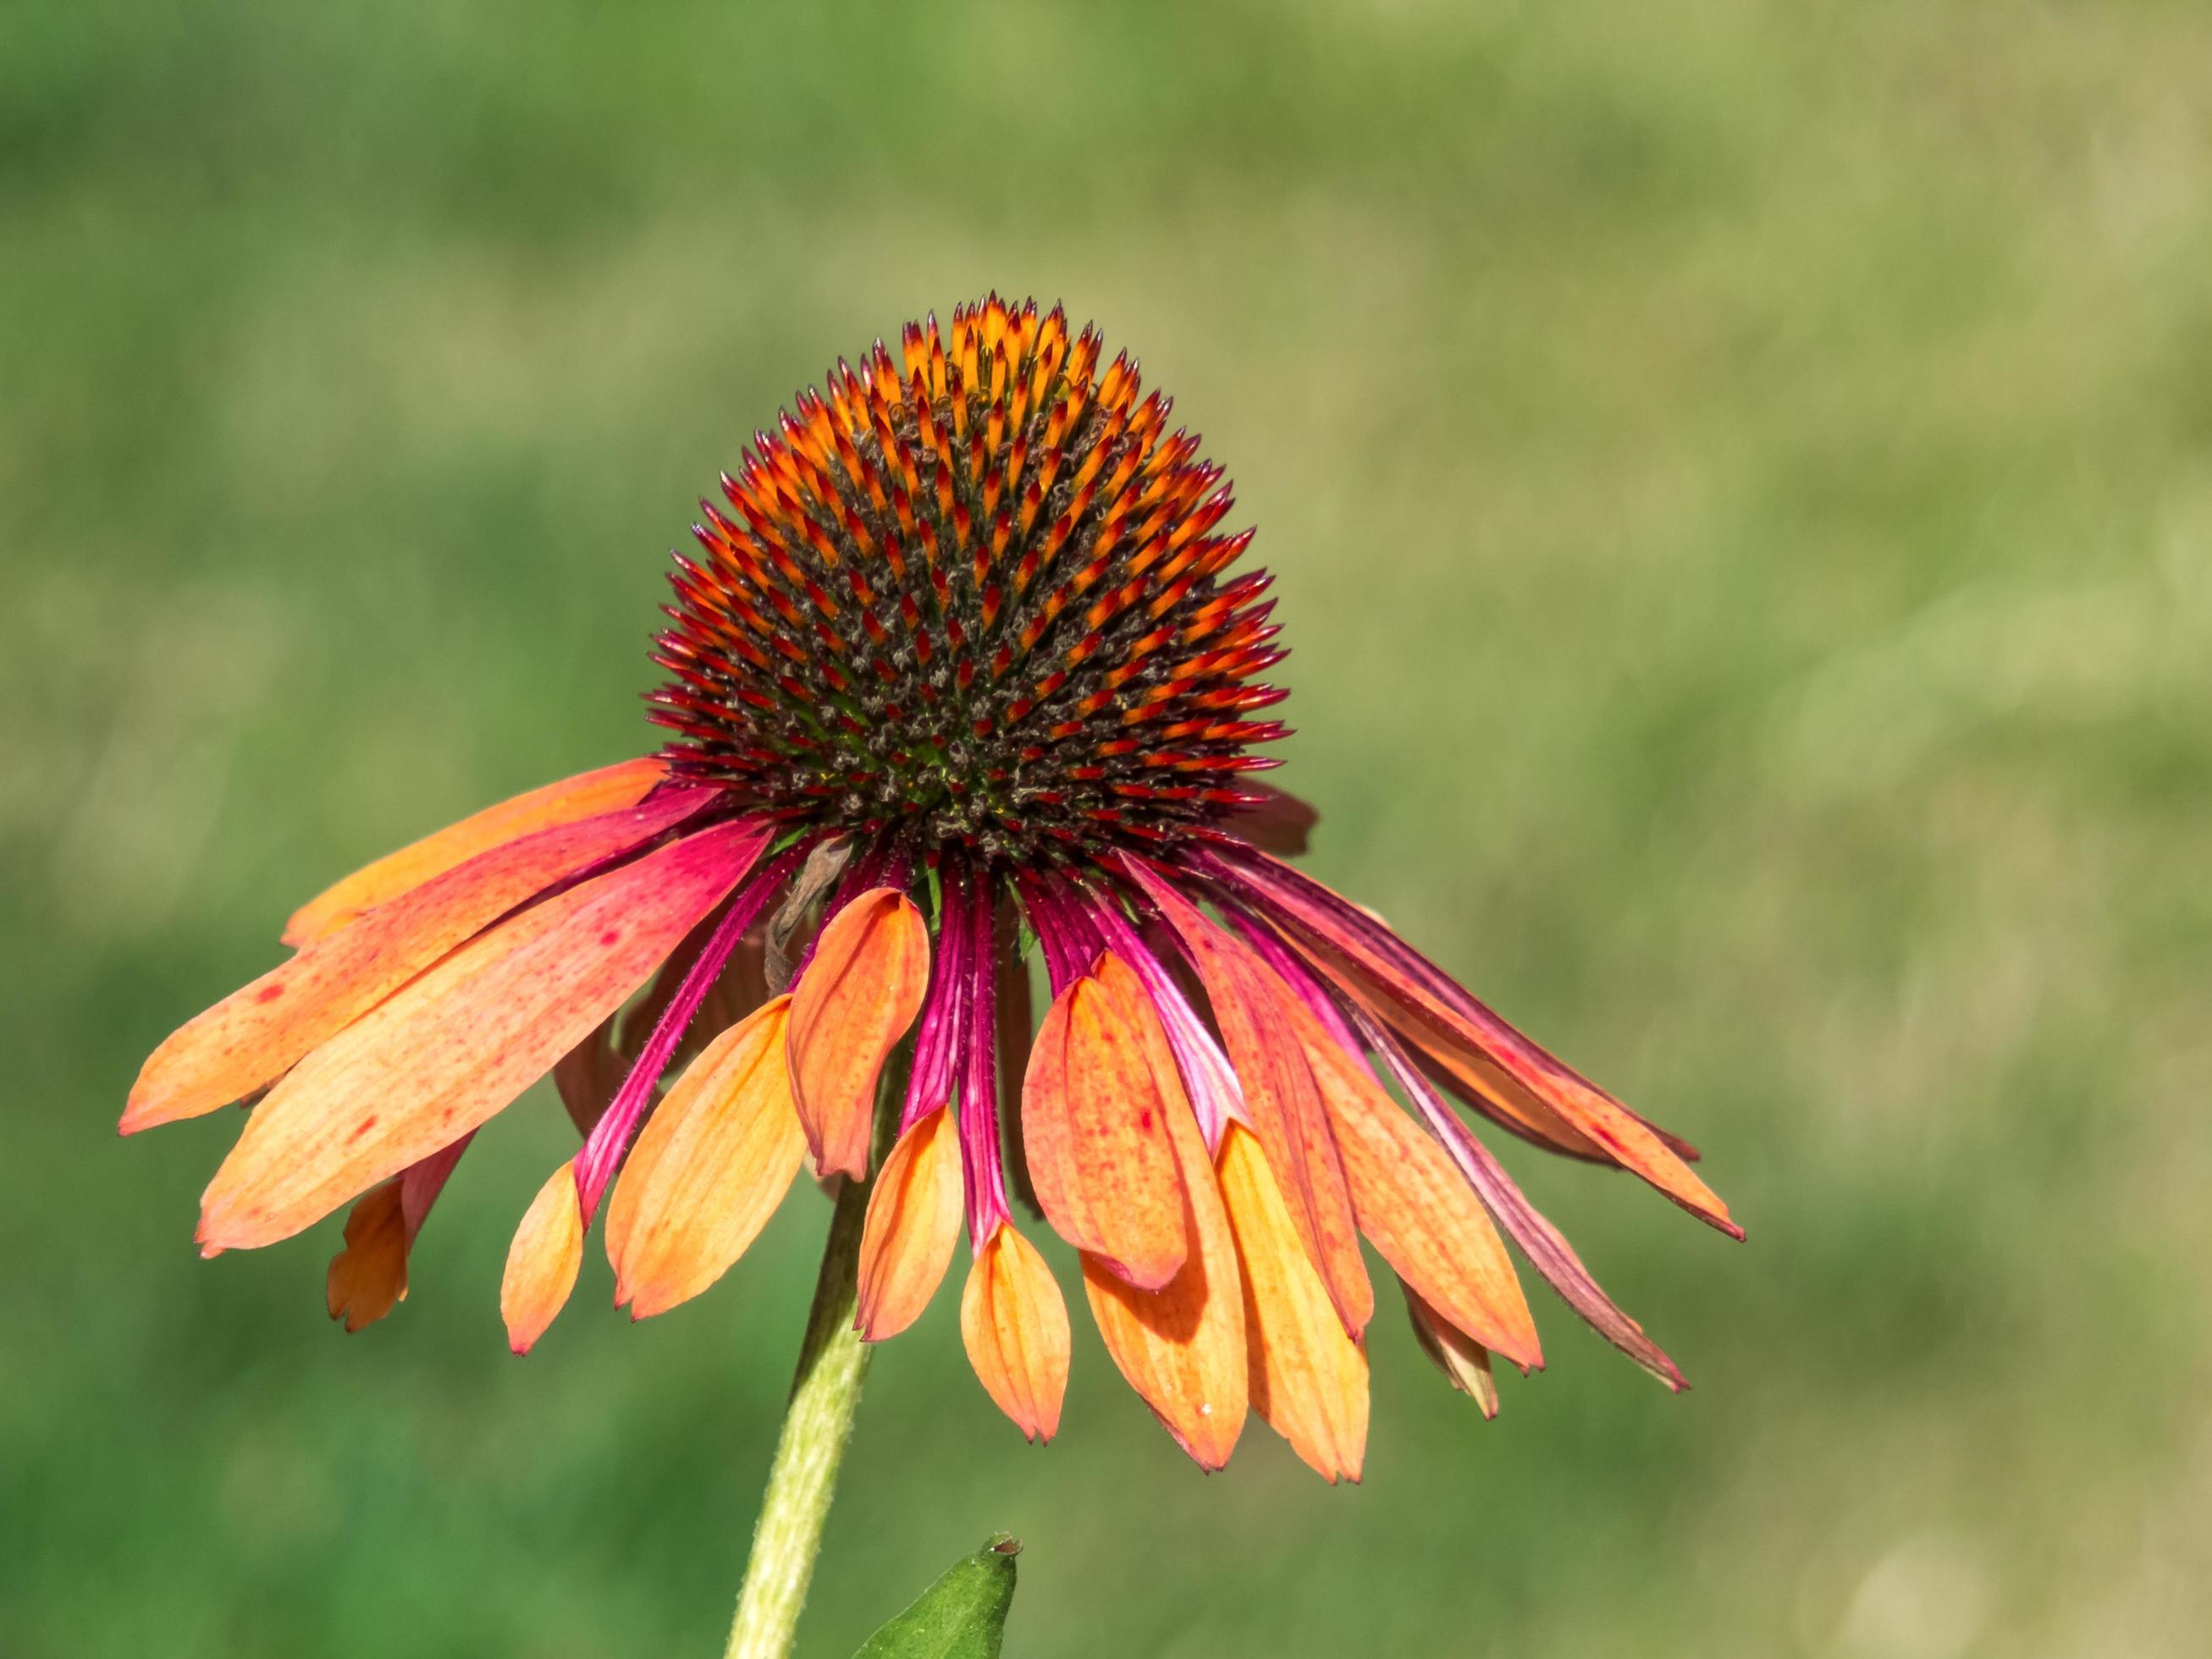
(963,667)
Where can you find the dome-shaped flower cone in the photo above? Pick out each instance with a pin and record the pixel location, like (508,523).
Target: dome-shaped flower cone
(256,1034)
(913,1227)
(1308,1379)
(855,1001)
(1097,1136)
(1014,1322)
(1181,1347)
(609,789)
(457,1043)
(542,1261)
(1464,1361)
(708,1170)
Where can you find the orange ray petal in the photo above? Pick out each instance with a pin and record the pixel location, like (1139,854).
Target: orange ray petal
(1520,1076)
(1464,1361)
(1181,1348)
(913,1226)
(458,1042)
(1280,1090)
(858,997)
(1307,1378)
(255,1035)
(542,1261)
(1014,1325)
(368,1277)
(1095,1130)
(1417,1208)
(708,1170)
(609,789)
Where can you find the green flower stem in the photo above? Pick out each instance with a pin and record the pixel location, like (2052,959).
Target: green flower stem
(824,1394)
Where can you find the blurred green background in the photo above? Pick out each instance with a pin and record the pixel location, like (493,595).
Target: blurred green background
(1741,479)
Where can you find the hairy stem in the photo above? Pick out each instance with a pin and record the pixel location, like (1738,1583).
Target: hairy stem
(824,1395)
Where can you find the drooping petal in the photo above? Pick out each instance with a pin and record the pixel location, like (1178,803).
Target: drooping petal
(458,1042)
(1282,1095)
(913,1226)
(543,1262)
(1183,1347)
(861,992)
(1308,1379)
(1413,1205)
(709,1168)
(368,1277)
(255,1035)
(1548,1250)
(1095,1130)
(1446,1022)
(1014,1325)
(1464,1361)
(586,1077)
(1281,824)
(609,789)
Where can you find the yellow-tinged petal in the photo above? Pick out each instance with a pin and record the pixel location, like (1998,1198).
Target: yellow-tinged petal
(1309,1379)
(542,1261)
(1417,1208)
(913,1227)
(1249,1004)
(1014,1324)
(255,1035)
(455,1044)
(708,1170)
(609,789)
(368,1277)
(1181,1347)
(1464,1361)
(856,999)
(1095,1135)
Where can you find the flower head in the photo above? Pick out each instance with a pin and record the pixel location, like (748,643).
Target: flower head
(963,676)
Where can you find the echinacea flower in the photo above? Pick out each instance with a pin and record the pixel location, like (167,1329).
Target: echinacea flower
(964,675)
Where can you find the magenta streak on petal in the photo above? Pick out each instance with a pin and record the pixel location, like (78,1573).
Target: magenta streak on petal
(980,1159)
(937,1040)
(671,808)
(610,1136)
(1216,1097)
(1294,974)
(1540,1241)
(420,1184)
(1070,946)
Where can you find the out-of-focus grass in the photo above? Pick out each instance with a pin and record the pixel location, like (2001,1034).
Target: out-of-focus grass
(1740,477)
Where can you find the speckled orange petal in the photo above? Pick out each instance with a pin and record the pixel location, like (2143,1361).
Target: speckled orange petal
(543,1262)
(913,1227)
(856,999)
(1480,1049)
(255,1035)
(609,789)
(1014,1325)
(1464,1361)
(368,1277)
(1096,1137)
(458,1042)
(708,1170)
(1309,1379)
(1415,1207)
(1249,1004)
(1181,1347)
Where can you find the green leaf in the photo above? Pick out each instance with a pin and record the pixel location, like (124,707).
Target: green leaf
(961,1616)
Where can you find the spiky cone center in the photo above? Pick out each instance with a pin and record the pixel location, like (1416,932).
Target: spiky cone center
(974,598)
